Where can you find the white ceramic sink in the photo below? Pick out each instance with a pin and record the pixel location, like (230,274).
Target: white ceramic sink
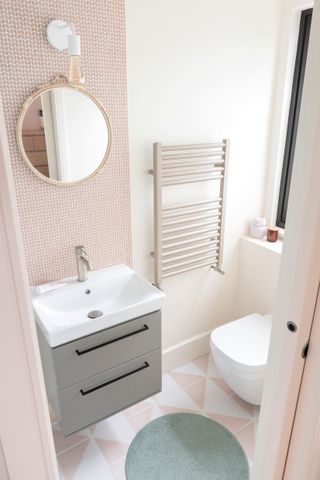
(118,292)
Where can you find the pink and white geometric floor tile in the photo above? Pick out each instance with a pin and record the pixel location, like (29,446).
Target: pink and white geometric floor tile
(99,451)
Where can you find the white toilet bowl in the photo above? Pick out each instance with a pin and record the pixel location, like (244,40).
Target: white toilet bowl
(240,351)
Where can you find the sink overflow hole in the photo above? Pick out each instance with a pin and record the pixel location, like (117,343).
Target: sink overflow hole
(87,291)
(95,314)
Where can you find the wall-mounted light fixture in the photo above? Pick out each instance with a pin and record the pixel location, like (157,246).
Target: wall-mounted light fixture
(61,35)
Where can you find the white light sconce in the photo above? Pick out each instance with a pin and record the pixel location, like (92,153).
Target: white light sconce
(61,35)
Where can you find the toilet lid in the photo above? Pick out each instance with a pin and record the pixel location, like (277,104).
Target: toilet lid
(246,340)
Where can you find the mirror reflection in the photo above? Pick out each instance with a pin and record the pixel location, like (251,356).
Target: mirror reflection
(65,134)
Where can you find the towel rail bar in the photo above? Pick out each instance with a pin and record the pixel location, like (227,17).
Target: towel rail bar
(183,213)
(201,163)
(211,237)
(191,204)
(176,181)
(200,146)
(188,269)
(211,230)
(191,219)
(212,256)
(189,255)
(208,243)
(186,156)
(191,172)
(190,226)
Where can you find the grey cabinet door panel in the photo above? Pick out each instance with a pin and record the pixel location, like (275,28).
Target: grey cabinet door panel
(87,356)
(109,392)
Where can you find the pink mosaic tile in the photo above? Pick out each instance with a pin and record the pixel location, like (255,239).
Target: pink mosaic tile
(54,219)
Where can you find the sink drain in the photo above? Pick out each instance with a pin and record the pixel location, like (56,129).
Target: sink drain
(95,314)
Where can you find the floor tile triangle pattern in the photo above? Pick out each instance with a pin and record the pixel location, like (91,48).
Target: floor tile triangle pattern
(99,451)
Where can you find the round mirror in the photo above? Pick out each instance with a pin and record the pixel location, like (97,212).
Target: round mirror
(64,134)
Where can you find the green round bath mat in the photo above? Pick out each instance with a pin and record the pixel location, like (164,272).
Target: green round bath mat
(184,446)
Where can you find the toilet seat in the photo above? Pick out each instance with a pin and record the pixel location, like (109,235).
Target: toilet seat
(245,342)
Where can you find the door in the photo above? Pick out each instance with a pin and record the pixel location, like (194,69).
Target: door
(296,295)
(303,461)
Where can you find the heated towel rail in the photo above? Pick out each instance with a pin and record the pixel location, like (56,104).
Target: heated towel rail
(189,235)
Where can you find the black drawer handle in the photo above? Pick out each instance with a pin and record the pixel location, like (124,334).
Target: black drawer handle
(87,350)
(93,389)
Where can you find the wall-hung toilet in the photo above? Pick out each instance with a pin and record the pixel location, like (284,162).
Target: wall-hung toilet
(240,351)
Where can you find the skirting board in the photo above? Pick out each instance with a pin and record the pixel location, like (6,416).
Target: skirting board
(185,351)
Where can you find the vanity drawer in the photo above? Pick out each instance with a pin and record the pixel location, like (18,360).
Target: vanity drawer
(87,356)
(98,397)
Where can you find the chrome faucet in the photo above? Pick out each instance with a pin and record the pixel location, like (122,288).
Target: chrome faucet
(83,264)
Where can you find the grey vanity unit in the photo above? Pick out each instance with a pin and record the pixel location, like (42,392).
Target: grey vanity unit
(95,376)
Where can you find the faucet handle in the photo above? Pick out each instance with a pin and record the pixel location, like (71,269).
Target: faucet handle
(80,249)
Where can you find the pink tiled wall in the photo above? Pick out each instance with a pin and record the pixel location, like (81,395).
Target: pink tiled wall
(96,213)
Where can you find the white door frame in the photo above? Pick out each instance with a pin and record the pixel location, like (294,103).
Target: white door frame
(298,282)
(27,449)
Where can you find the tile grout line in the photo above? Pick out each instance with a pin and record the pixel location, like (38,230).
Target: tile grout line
(74,445)
(118,461)
(231,394)
(139,411)
(255,415)
(244,426)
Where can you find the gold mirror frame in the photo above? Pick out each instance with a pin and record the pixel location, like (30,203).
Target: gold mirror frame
(59,82)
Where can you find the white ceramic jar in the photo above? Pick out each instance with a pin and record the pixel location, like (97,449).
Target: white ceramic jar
(258,227)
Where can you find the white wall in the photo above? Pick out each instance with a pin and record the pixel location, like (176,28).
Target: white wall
(259,265)
(199,71)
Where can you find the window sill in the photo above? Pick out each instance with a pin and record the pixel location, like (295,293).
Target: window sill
(275,247)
